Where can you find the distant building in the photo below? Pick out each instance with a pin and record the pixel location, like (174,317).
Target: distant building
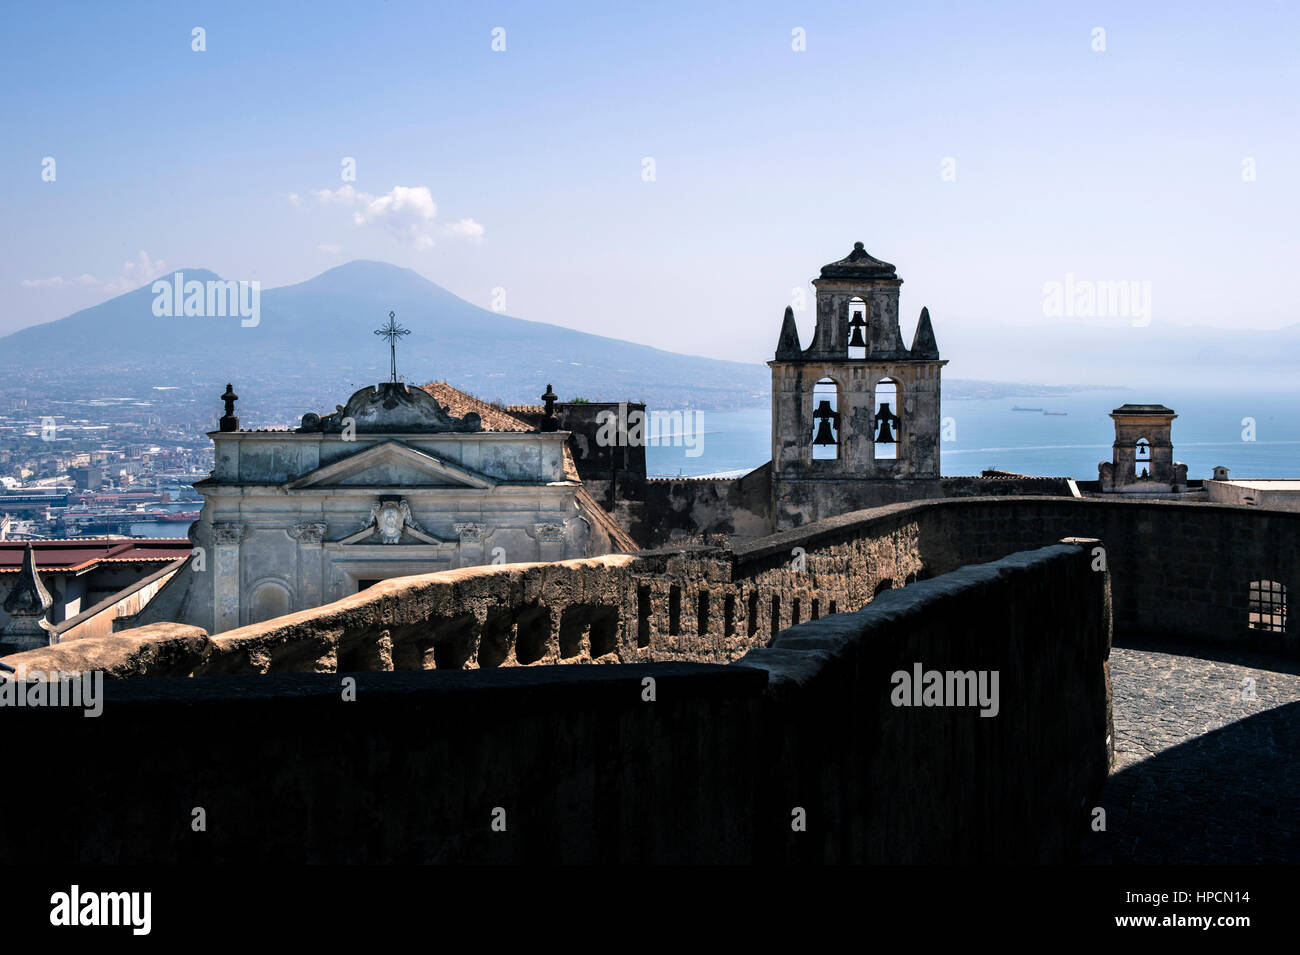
(1142,459)
(25,606)
(78,576)
(87,478)
(1267,494)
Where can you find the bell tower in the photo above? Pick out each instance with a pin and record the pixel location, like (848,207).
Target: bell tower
(855,415)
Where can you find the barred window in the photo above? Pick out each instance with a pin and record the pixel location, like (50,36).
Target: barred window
(1267,609)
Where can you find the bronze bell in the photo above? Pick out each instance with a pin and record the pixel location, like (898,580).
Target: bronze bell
(857,324)
(824,416)
(884,418)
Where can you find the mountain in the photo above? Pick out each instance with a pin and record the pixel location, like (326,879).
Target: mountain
(321,329)
(313,344)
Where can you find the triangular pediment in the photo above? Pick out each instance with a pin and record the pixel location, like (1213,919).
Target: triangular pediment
(391,464)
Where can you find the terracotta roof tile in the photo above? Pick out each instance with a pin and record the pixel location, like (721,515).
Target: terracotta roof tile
(459,403)
(77,554)
(494,417)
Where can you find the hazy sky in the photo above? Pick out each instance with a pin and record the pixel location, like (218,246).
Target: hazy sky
(524,169)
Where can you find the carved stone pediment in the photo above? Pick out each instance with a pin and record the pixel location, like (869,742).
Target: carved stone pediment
(390,520)
(389,464)
(390,407)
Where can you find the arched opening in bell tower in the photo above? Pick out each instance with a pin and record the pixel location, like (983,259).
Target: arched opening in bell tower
(887,421)
(1142,458)
(857,328)
(826,420)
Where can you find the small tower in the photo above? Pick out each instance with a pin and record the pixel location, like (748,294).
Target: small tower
(27,605)
(1142,457)
(855,415)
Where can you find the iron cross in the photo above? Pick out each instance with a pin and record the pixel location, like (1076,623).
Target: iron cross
(392,331)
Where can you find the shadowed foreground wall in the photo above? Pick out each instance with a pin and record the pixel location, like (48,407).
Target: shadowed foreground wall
(586,769)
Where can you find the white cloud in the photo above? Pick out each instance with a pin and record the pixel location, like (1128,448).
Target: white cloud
(138,271)
(406,212)
(465,229)
(141,270)
(295,199)
(345,196)
(330,249)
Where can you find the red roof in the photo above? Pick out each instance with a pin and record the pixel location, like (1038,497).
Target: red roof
(77,554)
(460,403)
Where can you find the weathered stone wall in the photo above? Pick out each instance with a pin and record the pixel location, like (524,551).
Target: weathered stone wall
(1181,571)
(601,460)
(663,512)
(677,508)
(581,765)
(668,511)
(793,425)
(812,497)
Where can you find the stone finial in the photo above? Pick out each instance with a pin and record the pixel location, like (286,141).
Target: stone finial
(228,421)
(788,347)
(923,343)
(27,605)
(550,422)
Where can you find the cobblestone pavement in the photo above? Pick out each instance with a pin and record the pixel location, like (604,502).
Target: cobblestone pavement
(1207,763)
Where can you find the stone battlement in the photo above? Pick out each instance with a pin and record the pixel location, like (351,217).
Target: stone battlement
(706,604)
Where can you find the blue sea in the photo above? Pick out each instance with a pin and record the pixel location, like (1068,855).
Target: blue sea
(987,433)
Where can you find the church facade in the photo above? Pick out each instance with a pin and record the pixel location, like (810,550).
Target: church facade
(393,483)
